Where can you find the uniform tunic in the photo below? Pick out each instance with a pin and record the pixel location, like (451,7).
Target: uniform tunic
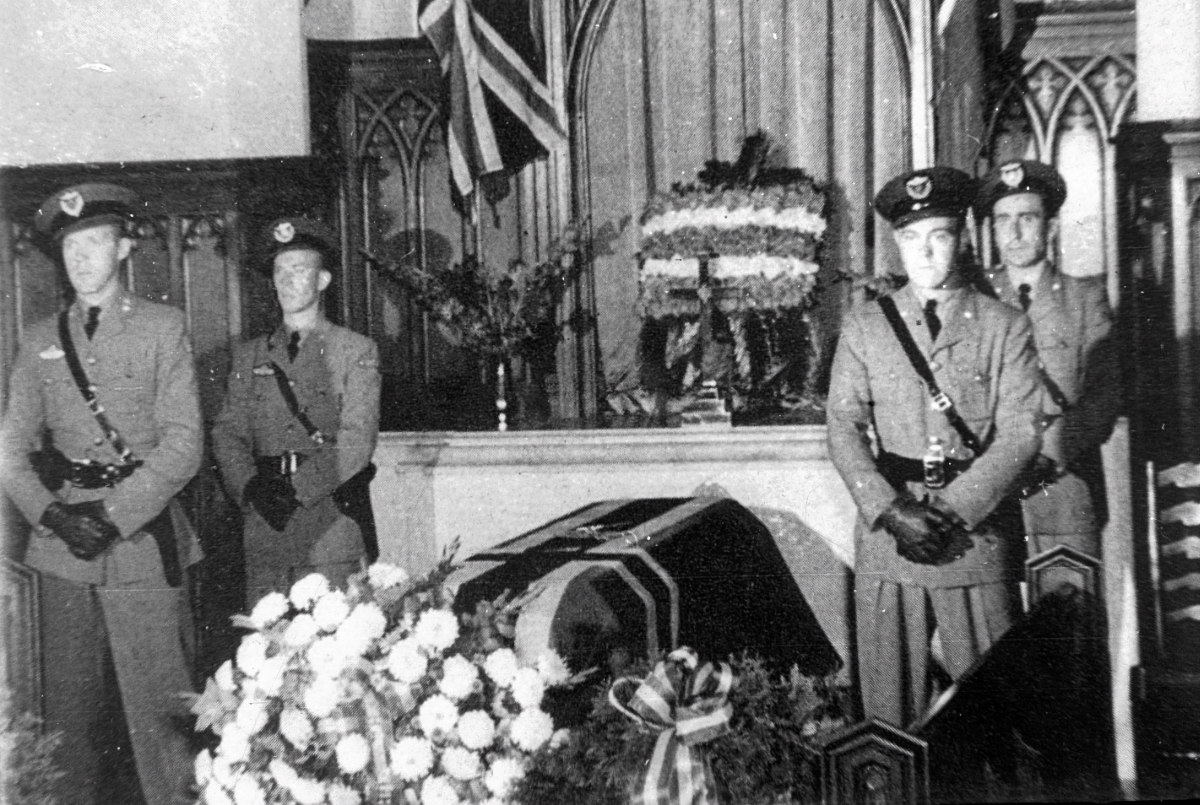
(335,377)
(139,362)
(1072,325)
(984,360)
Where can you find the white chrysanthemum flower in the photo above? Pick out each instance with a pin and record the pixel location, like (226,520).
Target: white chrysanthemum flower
(224,677)
(476,729)
(436,629)
(235,743)
(327,657)
(251,653)
(504,771)
(531,729)
(353,752)
(560,738)
(412,758)
(437,716)
(343,795)
(308,590)
(405,661)
(331,610)
(252,715)
(321,697)
(222,770)
(247,791)
(383,575)
(438,791)
(214,794)
(282,773)
(459,676)
(296,727)
(552,668)
(460,763)
(501,665)
(308,791)
(270,676)
(365,624)
(203,767)
(301,630)
(270,608)
(528,688)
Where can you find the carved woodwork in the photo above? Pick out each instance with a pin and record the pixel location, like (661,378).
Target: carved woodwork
(872,763)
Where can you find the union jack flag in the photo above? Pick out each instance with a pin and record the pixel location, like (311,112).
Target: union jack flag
(473,57)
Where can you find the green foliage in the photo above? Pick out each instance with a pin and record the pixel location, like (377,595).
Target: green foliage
(27,765)
(769,756)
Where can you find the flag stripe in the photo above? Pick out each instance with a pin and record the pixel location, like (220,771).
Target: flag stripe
(474,55)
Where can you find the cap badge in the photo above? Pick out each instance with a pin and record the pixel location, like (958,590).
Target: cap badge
(919,187)
(71,202)
(1012,175)
(284,232)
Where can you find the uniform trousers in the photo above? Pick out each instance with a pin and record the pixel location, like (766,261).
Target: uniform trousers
(895,626)
(113,655)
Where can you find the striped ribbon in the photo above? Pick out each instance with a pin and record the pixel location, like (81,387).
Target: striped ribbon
(689,704)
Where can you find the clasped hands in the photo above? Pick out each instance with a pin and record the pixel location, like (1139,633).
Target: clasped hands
(273,497)
(84,527)
(926,531)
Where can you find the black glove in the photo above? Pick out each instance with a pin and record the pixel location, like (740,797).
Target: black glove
(956,538)
(1037,476)
(917,528)
(84,527)
(273,497)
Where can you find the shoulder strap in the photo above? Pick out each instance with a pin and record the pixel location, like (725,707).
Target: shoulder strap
(289,397)
(940,401)
(89,393)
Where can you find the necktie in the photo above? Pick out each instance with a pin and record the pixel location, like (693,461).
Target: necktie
(931,316)
(1023,296)
(93,321)
(293,347)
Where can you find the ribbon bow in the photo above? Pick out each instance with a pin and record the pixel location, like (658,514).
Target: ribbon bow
(689,704)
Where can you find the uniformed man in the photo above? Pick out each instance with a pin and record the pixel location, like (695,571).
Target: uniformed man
(102,430)
(1072,326)
(944,381)
(295,436)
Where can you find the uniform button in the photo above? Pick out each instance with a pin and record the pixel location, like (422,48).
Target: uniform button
(968,314)
(91,361)
(97,441)
(934,365)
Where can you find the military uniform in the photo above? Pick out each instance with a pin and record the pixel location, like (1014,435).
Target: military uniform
(984,360)
(117,612)
(1072,326)
(335,379)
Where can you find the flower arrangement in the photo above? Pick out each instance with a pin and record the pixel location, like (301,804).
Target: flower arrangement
(757,232)
(770,753)
(493,310)
(375,694)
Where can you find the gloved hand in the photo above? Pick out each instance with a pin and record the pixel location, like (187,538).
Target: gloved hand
(273,497)
(1037,476)
(919,530)
(956,538)
(84,527)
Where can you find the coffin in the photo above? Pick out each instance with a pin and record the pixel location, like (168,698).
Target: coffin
(627,578)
